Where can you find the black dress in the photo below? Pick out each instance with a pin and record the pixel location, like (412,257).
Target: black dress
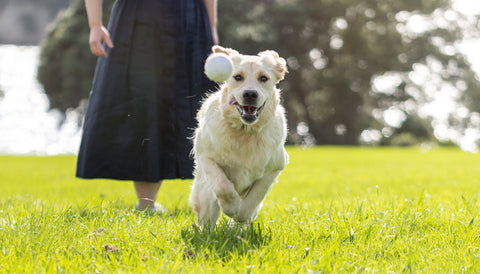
(146,93)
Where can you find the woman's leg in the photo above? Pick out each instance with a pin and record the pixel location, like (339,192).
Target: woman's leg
(146,193)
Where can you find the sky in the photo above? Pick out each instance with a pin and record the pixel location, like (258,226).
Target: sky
(470,7)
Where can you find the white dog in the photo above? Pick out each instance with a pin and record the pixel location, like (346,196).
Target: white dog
(239,143)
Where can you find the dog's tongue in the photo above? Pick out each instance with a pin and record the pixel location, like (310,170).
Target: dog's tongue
(233,101)
(244,110)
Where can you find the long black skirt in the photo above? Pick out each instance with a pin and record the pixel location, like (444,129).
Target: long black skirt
(146,93)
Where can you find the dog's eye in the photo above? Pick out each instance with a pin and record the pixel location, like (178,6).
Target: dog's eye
(263,78)
(238,77)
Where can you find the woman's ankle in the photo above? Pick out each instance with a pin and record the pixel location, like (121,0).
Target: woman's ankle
(146,194)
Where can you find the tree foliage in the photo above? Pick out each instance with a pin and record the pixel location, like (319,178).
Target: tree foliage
(66,65)
(336,51)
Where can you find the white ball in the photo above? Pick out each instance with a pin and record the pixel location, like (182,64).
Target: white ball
(218,67)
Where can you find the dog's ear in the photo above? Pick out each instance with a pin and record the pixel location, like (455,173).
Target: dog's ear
(227,51)
(279,64)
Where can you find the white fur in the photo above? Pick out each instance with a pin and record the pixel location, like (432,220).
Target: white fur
(237,163)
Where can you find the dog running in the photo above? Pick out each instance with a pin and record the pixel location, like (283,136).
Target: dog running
(238,146)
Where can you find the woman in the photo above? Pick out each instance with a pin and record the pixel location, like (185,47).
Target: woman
(147,88)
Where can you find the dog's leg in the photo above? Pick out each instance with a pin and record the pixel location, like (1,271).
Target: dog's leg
(204,204)
(252,203)
(224,190)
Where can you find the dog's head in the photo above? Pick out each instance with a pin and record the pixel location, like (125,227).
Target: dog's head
(253,81)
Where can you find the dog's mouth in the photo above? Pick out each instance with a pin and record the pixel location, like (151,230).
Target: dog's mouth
(249,114)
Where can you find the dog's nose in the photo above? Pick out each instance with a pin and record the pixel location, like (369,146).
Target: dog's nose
(250,96)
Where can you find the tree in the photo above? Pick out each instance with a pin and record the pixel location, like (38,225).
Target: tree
(336,49)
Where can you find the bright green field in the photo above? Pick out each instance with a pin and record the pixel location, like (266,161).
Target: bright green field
(333,210)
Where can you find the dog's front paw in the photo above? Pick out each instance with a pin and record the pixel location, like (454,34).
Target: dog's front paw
(230,205)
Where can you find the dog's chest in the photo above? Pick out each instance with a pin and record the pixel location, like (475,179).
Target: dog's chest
(245,162)
(244,177)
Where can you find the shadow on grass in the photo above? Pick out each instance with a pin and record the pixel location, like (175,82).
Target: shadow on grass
(224,242)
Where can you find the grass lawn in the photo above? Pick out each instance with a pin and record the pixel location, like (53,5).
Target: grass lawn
(335,209)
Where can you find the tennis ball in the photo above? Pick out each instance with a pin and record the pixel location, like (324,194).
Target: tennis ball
(218,67)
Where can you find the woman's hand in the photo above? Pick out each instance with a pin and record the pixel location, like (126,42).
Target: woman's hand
(99,34)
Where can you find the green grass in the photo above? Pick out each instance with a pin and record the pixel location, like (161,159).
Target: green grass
(335,209)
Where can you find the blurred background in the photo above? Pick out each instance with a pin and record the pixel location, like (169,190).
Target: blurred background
(362,72)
